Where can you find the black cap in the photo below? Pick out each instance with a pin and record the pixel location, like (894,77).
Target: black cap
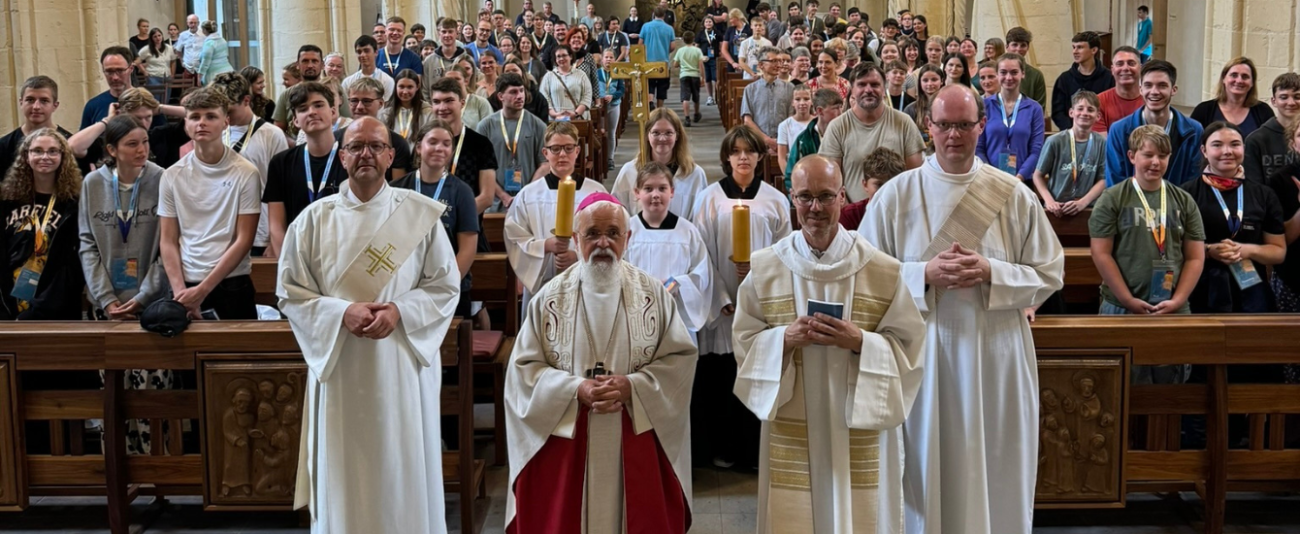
(166,317)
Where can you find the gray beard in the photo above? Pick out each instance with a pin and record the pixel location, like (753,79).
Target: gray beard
(600,276)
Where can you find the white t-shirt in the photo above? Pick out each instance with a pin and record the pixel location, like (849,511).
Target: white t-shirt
(748,52)
(265,143)
(383,77)
(789,130)
(206,201)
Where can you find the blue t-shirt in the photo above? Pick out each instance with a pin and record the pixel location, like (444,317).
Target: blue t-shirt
(393,65)
(97,109)
(658,38)
(474,50)
(461,214)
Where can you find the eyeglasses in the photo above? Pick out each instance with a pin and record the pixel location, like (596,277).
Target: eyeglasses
(563,149)
(115,72)
(591,236)
(663,135)
(356,149)
(42,153)
(949,126)
(805,200)
(362,101)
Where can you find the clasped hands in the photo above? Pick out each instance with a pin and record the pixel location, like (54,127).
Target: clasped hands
(822,329)
(1063,209)
(121,312)
(564,256)
(1227,251)
(605,394)
(371,320)
(958,268)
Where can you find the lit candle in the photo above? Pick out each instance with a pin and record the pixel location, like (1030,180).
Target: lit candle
(564,208)
(740,233)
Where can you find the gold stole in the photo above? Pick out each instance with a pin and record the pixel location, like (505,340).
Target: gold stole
(372,269)
(789,500)
(972,218)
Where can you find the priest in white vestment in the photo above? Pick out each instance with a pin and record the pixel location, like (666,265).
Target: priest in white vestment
(534,252)
(597,396)
(369,284)
(831,389)
(977,249)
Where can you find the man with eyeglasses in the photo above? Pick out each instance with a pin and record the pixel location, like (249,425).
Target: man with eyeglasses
(367,49)
(977,250)
(599,437)
(481,45)
(870,123)
(535,253)
(115,62)
(369,283)
(769,100)
(835,432)
(365,100)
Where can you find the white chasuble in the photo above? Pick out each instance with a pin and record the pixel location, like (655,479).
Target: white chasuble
(371,417)
(831,460)
(572,470)
(769,221)
(675,250)
(530,222)
(687,184)
(974,426)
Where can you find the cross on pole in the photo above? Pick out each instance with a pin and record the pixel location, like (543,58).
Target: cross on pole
(640,71)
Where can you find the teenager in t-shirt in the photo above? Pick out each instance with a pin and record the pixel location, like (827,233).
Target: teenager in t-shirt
(209,206)
(288,192)
(255,139)
(38,99)
(1268,149)
(473,159)
(1071,169)
(433,152)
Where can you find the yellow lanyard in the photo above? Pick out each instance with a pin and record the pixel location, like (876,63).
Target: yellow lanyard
(1157,232)
(388,60)
(404,123)
(514,148)
(461,143)
(1074,157)
(38,225)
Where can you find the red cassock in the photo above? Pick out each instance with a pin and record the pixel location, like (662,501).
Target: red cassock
(548,491)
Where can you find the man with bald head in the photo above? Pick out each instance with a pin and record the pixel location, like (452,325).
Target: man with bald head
(976,251)
(369,283)
(598,394)
(828,343)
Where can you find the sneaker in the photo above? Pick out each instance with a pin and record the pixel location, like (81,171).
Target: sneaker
(688,122)
(698,117)
(723,463)
(710,102)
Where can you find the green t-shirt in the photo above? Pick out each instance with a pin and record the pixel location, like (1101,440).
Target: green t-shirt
(1119,214)
(689,58)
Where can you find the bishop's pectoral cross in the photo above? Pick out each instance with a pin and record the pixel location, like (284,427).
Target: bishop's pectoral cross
(640,71)
(379,259)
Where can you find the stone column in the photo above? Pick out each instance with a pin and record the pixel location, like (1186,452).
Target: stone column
(1051,21)
(288,24)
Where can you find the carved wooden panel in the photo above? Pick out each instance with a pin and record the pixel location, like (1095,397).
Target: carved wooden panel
(252,426)
(10,472)
(1080,427)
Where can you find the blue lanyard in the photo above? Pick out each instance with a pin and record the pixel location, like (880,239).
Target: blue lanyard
(1234,223)
(441,182)
(1009,122)
(124,220)
(312,188)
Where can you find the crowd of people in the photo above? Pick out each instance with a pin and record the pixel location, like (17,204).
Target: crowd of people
(164,197)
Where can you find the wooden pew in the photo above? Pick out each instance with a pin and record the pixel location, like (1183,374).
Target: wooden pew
(260,357)
(1072,231)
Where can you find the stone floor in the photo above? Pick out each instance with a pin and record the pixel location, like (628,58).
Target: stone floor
(724,501)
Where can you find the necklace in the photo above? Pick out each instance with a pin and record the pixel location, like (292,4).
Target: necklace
(591,340)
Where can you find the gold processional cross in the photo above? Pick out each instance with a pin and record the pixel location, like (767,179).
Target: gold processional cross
(639,71)
(379,259)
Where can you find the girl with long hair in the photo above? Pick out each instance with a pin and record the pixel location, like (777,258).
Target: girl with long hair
(666,139)
(930,80)
(955,71)
(406,110)
(262,106)
(158,59)
(527,54)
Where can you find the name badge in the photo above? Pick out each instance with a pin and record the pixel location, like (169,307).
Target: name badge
(125,273)
(1162,281)
(1245,274)
(1007,162)
(28,279)
(512,181)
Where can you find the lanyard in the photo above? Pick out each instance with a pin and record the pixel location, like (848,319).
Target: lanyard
(1074,157)
(1157,233)
(38,227)
(461,143)
(124,219)
(226,135)
(441,181)
(404,123)
(312,188)
(514,148)
(388,60)
(1234,223)
(1009,122)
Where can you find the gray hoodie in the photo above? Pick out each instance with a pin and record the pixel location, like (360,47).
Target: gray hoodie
(101,239)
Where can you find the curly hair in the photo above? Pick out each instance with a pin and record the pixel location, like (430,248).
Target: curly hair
(18,183)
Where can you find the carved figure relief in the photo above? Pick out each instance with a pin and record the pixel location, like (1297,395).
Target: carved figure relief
(254,458)
(1078,437)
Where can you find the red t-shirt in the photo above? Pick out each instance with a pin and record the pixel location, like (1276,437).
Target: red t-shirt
(851,215)
(1113,108)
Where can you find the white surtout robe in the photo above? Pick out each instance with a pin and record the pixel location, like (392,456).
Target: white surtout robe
(371,454)
(686,187)
(651,346)
(676,253)
(529,223)
(974,426)
(769,221)
(844,394)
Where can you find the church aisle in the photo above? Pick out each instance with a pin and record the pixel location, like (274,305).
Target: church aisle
(704,137)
